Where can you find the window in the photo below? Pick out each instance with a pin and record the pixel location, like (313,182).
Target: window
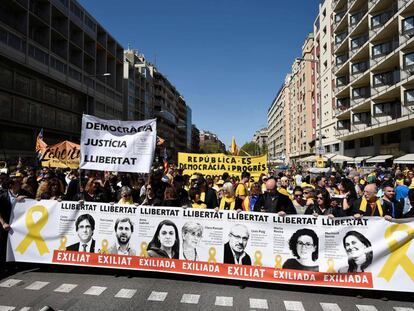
(336,147)
(391,138)
(392,109)
(6,78)
(358,42)
(380,19)
(349,144)
(408,24)
(359,67)
(5,106)
(408,60)
(409,97)
(341,59)
(22,84)
(361,92)
(344,125)
(386,78)
(366,141)
(361,118)
(49,94)
(381,49)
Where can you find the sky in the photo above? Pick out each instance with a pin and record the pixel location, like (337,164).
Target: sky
(228,58)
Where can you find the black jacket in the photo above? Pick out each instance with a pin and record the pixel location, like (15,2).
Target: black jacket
(274,203)
(337,212)
(211,198)
(75,247)
(229,258)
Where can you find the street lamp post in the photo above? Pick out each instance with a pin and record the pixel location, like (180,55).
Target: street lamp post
(315,61)
(106,74)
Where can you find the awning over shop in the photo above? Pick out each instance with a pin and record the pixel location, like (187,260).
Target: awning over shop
(341,158)
(360,159)
(380,158)
(312,158)
(406,159)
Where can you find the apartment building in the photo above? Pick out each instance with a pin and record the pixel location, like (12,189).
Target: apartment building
(323,54)
(278,123)
(206,136)
(302,104)
(171,112)
(56,62)
(374,76)
(260,137)
(195,139)
(138,86)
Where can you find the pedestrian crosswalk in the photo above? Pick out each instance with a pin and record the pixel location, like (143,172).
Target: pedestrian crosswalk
(254,303)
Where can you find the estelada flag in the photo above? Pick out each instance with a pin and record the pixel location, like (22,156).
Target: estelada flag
(233,149)
(41,146)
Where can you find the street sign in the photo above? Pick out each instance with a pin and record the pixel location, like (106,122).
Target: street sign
(320,150)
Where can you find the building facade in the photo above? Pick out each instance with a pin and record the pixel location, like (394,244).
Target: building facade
(171,112)
(323,54)
(278,123)
(56,62)
(374,76)
(302,104)
(209,137)
(195,139)
(138,86)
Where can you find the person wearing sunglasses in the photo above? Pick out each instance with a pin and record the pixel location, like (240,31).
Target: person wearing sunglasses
(322,205)
(299,201)
(304,245)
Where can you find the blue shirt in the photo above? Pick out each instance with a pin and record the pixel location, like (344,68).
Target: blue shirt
(401,192)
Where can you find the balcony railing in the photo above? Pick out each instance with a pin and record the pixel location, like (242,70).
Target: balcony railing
(387,80)
(356,18)
(371,3)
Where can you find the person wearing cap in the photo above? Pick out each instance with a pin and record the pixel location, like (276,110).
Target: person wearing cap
(218,185)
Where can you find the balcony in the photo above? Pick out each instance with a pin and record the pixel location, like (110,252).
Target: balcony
(379,51)
(356,18)
(341,83)
(358,70)
(342,104)
(357,43)
(343,127)
(361,120)
(384,81)
(385,112)
(372,3)
(378,21)
(339,38)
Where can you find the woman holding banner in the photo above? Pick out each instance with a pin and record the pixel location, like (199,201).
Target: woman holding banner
(229,200)
(165,243)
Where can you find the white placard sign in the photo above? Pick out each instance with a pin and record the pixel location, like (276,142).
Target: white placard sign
(119,146)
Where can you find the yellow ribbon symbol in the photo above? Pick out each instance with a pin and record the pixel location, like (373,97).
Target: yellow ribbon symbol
(34,228)
(257,258)
(144,246)
(398,252)
(278,260)
(331,266)
(104,244)
(63,241)
(212,255)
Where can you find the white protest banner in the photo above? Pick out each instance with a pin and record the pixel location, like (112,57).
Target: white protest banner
(367,253)
(120,146)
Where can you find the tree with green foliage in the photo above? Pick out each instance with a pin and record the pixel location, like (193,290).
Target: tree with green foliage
(210,147)
(252,149)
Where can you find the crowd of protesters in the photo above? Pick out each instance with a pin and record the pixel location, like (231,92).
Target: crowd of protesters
(387,193)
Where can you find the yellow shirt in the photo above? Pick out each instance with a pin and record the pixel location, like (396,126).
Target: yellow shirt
(197,205)
(123,201)
(285,192)
(240,190)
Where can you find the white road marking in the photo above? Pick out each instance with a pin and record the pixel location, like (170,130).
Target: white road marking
(157,296)
(126,293)
(224,301)
(294,306)
(25,309)
(258,303)
(6,308)
(190,298)
(65,288)
(95,290)
(10,283)
(366,308)
(330,306)
(403,309)
(38,285)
